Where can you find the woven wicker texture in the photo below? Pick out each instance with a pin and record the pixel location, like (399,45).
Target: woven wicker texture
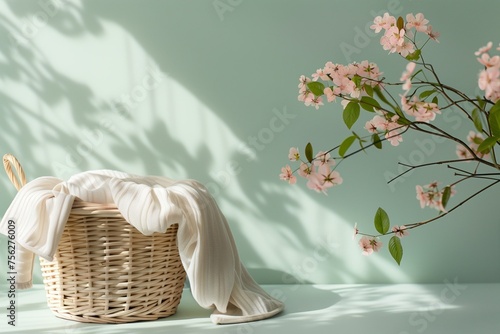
(106,271)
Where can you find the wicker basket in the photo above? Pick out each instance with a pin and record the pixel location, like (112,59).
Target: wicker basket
(105,270)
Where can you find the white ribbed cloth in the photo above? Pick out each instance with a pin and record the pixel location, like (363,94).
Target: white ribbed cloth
(217,278)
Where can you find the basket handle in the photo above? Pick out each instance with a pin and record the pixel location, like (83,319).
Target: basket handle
(10,161)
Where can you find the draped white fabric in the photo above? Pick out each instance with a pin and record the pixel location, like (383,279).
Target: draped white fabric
(209,255)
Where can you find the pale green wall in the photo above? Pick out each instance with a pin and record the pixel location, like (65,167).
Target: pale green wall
(222,79)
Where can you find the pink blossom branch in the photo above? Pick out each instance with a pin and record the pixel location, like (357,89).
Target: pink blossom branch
(444,134)
(441,215)
(415,225)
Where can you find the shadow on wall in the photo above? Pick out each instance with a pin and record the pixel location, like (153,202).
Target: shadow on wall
(29,130)
(164,39)
(223,68)
(228,59)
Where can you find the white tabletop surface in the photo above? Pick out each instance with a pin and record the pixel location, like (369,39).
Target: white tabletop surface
(450,307)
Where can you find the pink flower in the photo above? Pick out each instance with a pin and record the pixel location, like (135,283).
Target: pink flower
(314,183)
(323,158)
(432,185)
(422,111)
(312,100)
(329,68)
(293,154)
(410,67)
(421,196)
(320,74)
(427,112)
(337,72)
(323,179)
(329,178)
(344,103)
(429,195)
(393,39)
(287,175)
(304,95)
(484,49)
(405,49)
(394,134)
(369,70)
(463,153)
(409,107)
(489,81)
(305,170)
(390,126)
(406,76)
(488,61)
(407,86)
(371,127)
(432,34)
(376,244)
(356,231)
(400,231)
(380,121)
(474,139)
(384,22)
(346,86)
(365,245)
(303,80)
(369,245)
(331,94)
(418,22)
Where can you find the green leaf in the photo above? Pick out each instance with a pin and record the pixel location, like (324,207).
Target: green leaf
(346,144)
(476,119)
(400,23)
(494,121)
(446,196)
(414,56)
(399,113)
(351,113)
(381,221)
(426,93)
(496,106)
(396,249)
(380,95)
(487,144)
(403,121)
(368,90)
(481,102)
(360,140)
(309,152)
(435,99)
(376,141)
(477,140)
(357,80)
(369,103)
(416,73)
(316,87)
